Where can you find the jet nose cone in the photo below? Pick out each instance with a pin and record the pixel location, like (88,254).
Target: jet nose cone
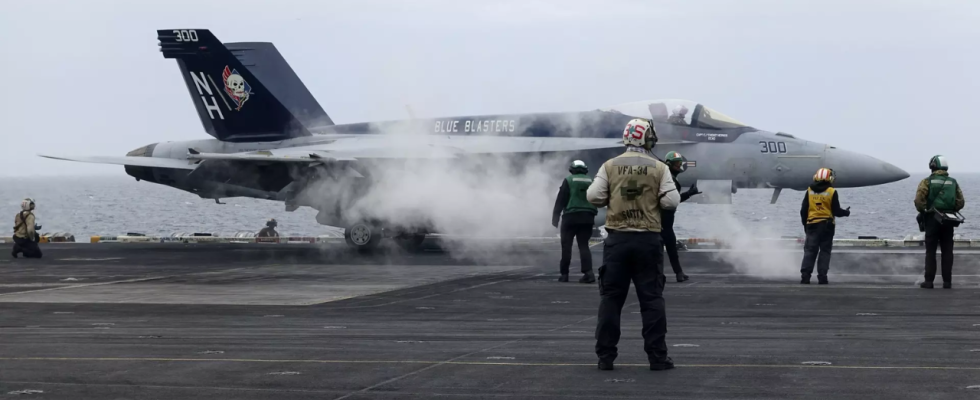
(856,170)
(893,173)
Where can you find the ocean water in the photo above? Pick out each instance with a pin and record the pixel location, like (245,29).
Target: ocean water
(109,205)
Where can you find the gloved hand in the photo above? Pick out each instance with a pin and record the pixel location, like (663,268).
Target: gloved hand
(693,190)
(554,224)
(37,227)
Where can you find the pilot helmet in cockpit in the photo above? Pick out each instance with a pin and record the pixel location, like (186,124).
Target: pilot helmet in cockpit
(678,115)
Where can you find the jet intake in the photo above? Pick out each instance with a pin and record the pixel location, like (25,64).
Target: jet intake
(145,151)
(141,173)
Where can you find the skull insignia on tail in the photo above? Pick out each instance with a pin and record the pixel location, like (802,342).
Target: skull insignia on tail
(236,87)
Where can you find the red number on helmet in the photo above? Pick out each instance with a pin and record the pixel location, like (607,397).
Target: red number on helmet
(637,131)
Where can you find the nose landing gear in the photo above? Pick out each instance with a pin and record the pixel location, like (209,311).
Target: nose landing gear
(363,236)
(366,236)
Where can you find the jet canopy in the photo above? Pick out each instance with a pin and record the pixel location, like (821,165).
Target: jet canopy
(677,112)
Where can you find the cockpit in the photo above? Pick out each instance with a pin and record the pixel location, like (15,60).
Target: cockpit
(678,112)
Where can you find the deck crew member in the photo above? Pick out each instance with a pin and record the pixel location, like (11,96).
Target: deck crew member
(577,220)
(635,186)
(821,206)
(270,229)
(25,231)
(936,197)
(676,164)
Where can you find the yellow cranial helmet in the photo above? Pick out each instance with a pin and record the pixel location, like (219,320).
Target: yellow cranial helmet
(824,175)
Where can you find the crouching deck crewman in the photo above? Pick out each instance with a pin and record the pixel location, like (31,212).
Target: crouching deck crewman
(25,232)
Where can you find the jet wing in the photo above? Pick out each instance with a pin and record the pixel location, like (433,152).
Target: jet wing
(132,161)
(379,146)
(369,146)
(448,146)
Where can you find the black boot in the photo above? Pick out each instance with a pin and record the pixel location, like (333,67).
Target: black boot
(589,277)
(805,280)
(563,278)
(606,365)
(662,365)
(681,277)
(926,285)
(822,280)
(947,285)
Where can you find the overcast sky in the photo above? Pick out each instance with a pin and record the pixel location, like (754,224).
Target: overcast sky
(894,79)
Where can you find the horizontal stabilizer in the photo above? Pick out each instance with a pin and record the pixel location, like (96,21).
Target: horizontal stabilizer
(131,161)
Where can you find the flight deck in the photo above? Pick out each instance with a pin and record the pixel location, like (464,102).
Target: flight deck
(320,321)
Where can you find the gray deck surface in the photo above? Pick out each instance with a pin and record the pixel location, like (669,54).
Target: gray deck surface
(172,321)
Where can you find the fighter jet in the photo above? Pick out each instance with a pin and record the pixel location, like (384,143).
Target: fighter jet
(271,140)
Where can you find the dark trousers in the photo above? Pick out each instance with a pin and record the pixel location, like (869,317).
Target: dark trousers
(581,234)
(636,257)
(819,242)
(26,246)
(670,240)
(938,235)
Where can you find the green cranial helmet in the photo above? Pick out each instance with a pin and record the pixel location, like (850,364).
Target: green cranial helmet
(938,162)
(676,162)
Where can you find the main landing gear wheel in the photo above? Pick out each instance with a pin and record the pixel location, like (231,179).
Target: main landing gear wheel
(363,236)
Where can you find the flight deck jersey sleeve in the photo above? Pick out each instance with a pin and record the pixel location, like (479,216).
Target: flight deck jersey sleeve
(598,192)
(960,201)
(805,209)
(922,195)
(670,195)
(560,201)
(684,195)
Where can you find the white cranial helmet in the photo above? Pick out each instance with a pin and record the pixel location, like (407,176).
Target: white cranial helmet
(680,110)
(639,132)
(579,167)
(27,204)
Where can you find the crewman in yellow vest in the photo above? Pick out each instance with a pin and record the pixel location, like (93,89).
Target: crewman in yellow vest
(820,207)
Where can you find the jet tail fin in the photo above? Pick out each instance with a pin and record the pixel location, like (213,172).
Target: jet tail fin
(268,65)
(232,103)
